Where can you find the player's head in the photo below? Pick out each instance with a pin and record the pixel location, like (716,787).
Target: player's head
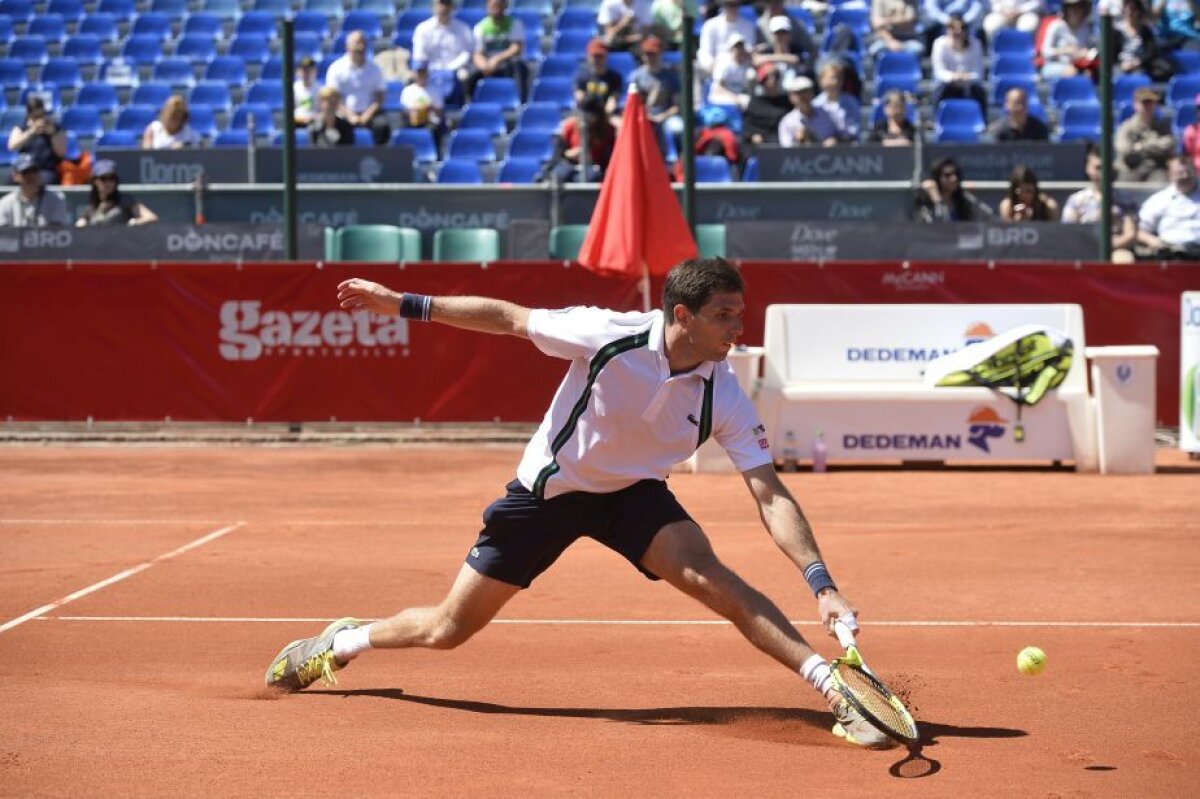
(703,297)
(692,283)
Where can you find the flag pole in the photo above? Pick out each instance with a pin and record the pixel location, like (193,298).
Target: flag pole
(645,285)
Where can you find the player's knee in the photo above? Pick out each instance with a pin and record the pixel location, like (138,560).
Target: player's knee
(446,633)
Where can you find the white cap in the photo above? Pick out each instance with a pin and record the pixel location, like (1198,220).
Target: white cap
(779,23)
(735,40)
(797,83)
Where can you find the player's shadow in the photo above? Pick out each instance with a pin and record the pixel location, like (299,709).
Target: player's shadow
(931,732)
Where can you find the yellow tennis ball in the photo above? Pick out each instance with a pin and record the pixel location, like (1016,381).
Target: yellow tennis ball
(1031,661)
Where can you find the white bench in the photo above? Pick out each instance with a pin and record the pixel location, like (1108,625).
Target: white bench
(854,374)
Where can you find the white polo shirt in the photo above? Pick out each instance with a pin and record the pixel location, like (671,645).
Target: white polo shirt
(358,86)
(1172,216)
(619,416)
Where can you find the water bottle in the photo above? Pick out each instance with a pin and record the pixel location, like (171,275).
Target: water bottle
(790,453)
(820,453)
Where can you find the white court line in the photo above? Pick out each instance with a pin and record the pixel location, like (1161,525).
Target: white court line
(632,622)
(116,578)
(278,522)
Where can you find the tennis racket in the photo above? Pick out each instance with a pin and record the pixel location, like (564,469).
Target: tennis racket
(867,693)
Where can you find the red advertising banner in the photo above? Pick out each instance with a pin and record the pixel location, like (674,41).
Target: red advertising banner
(223,342)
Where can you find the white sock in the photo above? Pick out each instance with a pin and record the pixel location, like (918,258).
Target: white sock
(349,644)
(816,671)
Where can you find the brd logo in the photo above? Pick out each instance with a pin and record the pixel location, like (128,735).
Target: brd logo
(985,424)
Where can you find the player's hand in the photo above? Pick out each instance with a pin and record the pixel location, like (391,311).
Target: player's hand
(832,606)
(357,294)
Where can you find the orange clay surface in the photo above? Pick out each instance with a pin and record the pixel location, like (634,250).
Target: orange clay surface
(150,685)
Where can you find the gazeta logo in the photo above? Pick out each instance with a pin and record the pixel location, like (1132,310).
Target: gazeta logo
(985,424)
(977,332)
(249,332)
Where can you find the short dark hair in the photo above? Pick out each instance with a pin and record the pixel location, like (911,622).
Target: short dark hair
(692,283)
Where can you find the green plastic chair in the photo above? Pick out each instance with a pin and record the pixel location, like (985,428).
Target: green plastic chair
(565,241)
(710,240)
(480,245)
(330,244)
(378,243)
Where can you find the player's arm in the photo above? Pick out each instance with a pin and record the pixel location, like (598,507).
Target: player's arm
(784,520)
(484,314)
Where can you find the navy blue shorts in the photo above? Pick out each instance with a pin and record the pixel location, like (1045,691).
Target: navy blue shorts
(523,535)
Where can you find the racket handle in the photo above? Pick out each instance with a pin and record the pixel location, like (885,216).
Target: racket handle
(844,634)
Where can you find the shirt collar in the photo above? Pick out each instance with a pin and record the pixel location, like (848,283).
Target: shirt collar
(658,344)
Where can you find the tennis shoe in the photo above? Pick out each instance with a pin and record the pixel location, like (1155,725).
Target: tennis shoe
(857,730)
(303,662)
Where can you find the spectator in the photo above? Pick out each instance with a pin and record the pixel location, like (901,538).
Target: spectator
(31,204)
(1191,137)
(564,165)
(1083,208)
(171,130)
(942,198)
(304,89)
(41,138)
(938,14)
(1018,124)
(447,45)
(765,110)
(360,85)
(625,23)
(668,21)
(895,27)
(716,33)
(806,124)
(1138,47)
(595,79)
(1025,202)
(328,128)
(895,129)
(107,206)
(1144,142)
(957,64)
(1024,15)
(1169,220)
(1177,24)
(714,137)
(499,48)
(733,74)
(659,85)
(844,108)
(786,42)
(1069,44)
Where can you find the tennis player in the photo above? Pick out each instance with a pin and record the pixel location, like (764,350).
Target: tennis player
(642,392)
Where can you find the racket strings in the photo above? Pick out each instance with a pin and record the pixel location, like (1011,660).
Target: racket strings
(878,702)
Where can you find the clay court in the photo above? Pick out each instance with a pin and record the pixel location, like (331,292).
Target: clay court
(189,568)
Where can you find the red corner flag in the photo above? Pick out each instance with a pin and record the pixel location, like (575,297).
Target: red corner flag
(637,227)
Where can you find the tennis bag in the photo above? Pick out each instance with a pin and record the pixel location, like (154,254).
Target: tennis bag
(1030,360)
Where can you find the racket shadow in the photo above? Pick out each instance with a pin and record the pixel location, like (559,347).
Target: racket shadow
(916,764)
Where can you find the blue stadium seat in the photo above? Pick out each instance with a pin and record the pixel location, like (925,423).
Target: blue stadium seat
(750,171)
(471,144)
(1186,62)
(121,10)
(264,122)
(1181,89)
(543,8)
(197,48)
(268,93)
(62,71)
(203,120)
(559,91)
(151,94)
(572,41)
(459,171)
(144,50)
(420,139)
(368,22)
(251,49)
(84,49)
(232,138)
(211,93)
(959,135)
(173,9)
(300,135)
(101,96)
(1010,65)
(391,95)
(322,65)
(1080,121)
(20,11)
(273,7)
(119,140)
(29,50)
(225,9)
(272,69)
(70,10)
(559,65)
(229,68)
(958,120)
(51,27)
(363,137)
(330,8)
(1003,86)
(905,83)
(311,22)
(257,23)
(1125,85)
(712,169)
(175,71)
(802,17)
(1073,89)
(470,16)
(406,23)
(858,19)
(82,120)
(11,118)
(6,32)
(101,26)
(534,21)
(13,73)
(519,170)
(119,72)
(901,64)
(201,24)
(574,19)
(539,116)
(387,8)
(502,91)
(308,44)
(488,117)
(856,42)
(151,24)
(135,118)
(1011,41)
(536,144)
(623,63)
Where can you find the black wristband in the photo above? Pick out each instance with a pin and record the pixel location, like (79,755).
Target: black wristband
(817,577)
(415,306)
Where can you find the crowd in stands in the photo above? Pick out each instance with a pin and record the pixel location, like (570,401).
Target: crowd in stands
(487,92)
